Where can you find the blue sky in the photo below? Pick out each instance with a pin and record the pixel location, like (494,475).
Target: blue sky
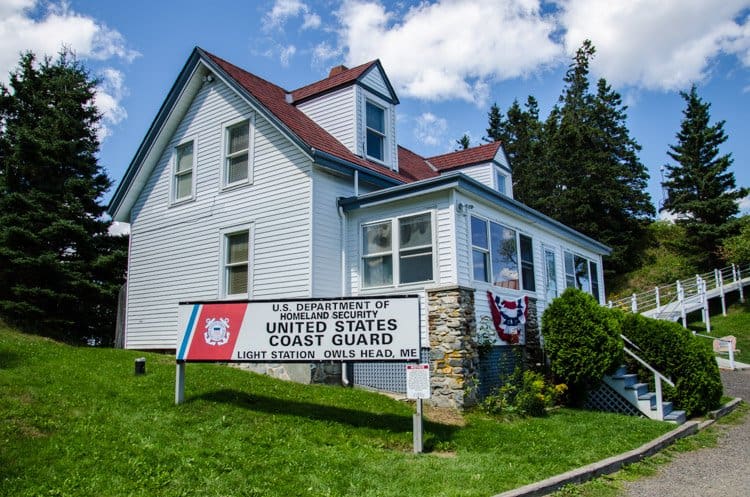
(448,60)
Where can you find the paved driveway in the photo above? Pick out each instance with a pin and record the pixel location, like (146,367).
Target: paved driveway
(723,471)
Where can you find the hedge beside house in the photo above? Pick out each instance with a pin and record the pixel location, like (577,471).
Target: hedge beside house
(685,359)
(582,340)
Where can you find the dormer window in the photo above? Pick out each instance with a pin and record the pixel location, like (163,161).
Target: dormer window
(375,132)
(500,182)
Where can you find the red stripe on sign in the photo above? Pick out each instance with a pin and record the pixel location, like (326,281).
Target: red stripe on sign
(216,332)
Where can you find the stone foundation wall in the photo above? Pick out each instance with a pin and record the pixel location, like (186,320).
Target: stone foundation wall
(534,354)
(454,355)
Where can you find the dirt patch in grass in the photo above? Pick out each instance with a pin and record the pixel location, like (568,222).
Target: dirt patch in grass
(444,416)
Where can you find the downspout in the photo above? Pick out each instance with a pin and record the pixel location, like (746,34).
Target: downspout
(342,219)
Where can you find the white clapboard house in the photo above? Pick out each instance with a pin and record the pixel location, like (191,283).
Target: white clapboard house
(242,189)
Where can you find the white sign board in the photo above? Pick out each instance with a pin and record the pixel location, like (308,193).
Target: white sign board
(417,381)
(342,329)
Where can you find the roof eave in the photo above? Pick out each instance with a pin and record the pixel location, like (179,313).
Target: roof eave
(458,180)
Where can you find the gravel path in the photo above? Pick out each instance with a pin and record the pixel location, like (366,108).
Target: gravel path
(723,471)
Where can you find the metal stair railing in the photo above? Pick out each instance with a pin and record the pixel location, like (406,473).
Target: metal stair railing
(658,377)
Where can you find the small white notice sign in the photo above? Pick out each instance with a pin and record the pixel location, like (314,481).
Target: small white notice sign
(418,381)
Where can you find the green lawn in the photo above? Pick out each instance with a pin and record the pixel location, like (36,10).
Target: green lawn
(737,323)
(76,421)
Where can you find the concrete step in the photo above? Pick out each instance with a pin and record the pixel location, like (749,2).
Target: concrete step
(677,417)
(667,407)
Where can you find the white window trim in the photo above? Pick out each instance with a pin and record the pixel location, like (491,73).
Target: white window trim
(395,252)
(387,124)
(223,283)
(250,118)
(499,172)
(173,201)
(520,261)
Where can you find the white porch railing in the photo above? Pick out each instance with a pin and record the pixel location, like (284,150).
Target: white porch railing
(676,300)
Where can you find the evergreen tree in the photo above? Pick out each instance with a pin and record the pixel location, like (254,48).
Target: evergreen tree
(701,190)
(494,124)
(59,270)
(521,134)
(464,142)
(597,183)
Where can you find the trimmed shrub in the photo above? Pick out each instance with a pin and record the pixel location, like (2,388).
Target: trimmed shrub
(687,360)
(582,340)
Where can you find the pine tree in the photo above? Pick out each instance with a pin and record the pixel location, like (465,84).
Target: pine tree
(701,191)
(59,270)
(464,142)
(597,181)
(494,124)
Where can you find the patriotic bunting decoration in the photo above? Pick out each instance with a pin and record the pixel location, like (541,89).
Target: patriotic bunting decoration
(509,317)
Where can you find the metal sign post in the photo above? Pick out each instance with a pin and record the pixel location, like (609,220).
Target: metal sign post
(418,387)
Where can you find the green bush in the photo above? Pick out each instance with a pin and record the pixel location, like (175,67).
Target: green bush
(687,360)
(524,393)
(582,340)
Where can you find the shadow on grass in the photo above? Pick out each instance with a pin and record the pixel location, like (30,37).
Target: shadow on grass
(9,359)
(439,433)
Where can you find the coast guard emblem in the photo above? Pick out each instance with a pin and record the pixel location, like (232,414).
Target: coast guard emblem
(217,331)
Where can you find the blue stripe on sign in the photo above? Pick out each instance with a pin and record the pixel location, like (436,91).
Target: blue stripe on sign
(188,332)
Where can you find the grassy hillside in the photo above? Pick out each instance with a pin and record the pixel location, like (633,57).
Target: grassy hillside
(78,422)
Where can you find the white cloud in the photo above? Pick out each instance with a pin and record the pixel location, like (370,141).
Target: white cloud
(430,129)
(744,204)
(312,21)
(657,44)
(59,26)
(283,10)
(324,52)
(286,53)
(109,93)
(449,49)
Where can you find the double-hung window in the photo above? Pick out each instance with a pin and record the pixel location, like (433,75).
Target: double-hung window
(237,157)
(550,274)
(397,251)
(500,182)
(375,132)
(184,166)
(581,273)
(236,262)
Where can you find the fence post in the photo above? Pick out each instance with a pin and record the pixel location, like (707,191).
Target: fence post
(742,290)
(681,298)
(658,299)
(706,313)
(720,275)
(659,405)
(634,304)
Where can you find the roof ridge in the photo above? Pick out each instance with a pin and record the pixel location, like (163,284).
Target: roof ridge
(496,144)
(331,82)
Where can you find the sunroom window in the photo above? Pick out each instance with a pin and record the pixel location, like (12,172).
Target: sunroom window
(494,253)
(581,273)
(397,251)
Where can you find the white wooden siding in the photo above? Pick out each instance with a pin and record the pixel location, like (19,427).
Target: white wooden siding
(326,255)
(444,270)
(175,251)
(374,79)
(335,112)
(484,173)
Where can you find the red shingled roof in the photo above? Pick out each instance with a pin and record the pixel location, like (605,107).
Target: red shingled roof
(412,167)
(273,98)
(464,158)
(338,80)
